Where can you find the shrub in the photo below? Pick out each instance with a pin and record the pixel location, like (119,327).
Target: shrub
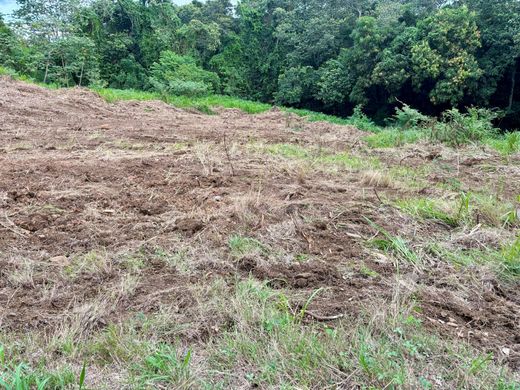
(458,128)
(360,120)
(409,118)
(180,75)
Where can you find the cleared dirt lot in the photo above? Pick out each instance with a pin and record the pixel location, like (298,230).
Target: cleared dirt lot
(113,210)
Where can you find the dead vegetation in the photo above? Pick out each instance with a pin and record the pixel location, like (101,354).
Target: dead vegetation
(170,249)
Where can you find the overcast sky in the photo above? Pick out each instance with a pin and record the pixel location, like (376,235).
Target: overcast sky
(7,6)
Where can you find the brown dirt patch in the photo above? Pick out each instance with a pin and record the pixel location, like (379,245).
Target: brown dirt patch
(80,176)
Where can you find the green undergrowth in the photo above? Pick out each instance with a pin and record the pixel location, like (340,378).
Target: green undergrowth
(506,144)
(16,375)
(203,104)
(393,137)
(250,107)
(313,116)
(14,75)
(466,209)
(505,261)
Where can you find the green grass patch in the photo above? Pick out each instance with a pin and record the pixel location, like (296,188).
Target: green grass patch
(395,245)
(273,349)
(511,256)
(368,272)
(467,209)
(203,103)
(393,137)
(260,337)
(116,95)
(224,101)
(413,178)
(428,208)
(91,262)
(289,151)
(358,119)
(164,366)
(242,246)
(493,211)
(313,116)
(16,375)
(505,262)
(507,144)
(346,160)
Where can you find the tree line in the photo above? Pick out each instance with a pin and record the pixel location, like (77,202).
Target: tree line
(324,55)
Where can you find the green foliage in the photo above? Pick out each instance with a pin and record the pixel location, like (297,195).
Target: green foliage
(511,255)
(445,54)
(8,45)
(393,137)
(198,39)
(271,344)
(4,71)
(115,95)
(71,61)
(334,83)
(468,209)
(360,120)
(318,56)
(289,151)
(507,144)
(407,117)
(23,377)
(458,128)
(180,75)
(296,85)
(322,158)
(431,209)
(313,116)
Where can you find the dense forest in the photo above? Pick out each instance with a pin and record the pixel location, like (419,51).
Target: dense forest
(324,55)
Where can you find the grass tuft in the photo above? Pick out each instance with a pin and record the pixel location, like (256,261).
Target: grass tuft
(241,246)
(393,244)
(507,144)
(468,209)
(393,138)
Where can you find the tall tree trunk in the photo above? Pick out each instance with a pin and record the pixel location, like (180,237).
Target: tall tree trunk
(47,67)
(513,84)
(46,72)
(64,67)
(81,75)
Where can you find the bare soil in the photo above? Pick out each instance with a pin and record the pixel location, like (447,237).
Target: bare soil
(81,176)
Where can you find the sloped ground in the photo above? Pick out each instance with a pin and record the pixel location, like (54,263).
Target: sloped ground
(112,214)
